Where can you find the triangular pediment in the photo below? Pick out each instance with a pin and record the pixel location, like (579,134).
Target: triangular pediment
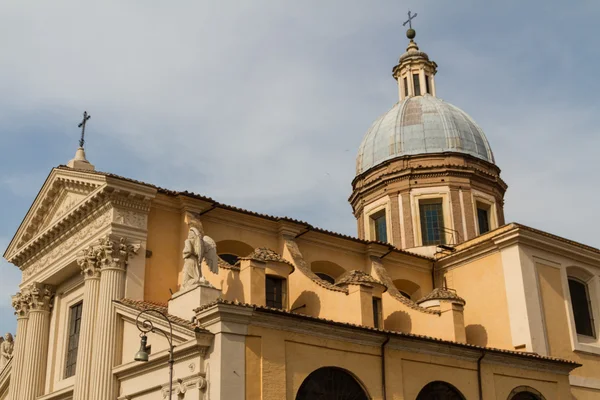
(63,192)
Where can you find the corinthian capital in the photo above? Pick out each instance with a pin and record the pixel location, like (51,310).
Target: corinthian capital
(115,253)
(87,260)
(20,303)
(41,297)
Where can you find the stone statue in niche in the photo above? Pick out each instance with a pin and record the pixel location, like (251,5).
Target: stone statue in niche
(6,349)
(198,247)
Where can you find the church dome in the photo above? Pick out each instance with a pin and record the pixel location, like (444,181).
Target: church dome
(421,125)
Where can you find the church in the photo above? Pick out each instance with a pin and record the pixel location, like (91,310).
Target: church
(131,291)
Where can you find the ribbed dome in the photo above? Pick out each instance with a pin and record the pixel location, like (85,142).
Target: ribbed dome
(421,125)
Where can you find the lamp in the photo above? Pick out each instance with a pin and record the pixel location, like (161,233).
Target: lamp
(145,326)
(142,354)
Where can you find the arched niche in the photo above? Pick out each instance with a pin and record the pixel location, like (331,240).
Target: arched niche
(525,393)
(439,390)
(327,268)
(406,287)
(331,383)
(231,250)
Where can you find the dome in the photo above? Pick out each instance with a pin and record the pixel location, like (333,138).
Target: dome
(421,125)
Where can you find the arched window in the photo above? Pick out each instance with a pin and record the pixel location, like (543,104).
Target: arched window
(325,277)
(331,383)
(525,393)
(439,390)
(230,258)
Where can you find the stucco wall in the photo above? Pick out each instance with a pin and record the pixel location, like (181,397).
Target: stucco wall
(481,283)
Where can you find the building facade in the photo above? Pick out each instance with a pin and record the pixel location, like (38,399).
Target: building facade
(437,298)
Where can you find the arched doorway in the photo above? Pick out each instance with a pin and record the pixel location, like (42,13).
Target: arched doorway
(525,393)
(439,390)
(330,383)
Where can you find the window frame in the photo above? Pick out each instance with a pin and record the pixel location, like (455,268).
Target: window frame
(284,291)
(583,343)
(482,200)
(377,305)
(590,308)
(442,234)
(418,195)
(416,81)
(383,204)
(69,336)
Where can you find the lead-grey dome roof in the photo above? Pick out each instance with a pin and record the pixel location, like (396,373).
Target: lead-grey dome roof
(421,125)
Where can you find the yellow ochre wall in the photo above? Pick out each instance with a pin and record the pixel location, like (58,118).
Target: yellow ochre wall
(481,284)
(557,331)
(277,362)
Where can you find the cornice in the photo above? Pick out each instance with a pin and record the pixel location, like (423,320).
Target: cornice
(363,186)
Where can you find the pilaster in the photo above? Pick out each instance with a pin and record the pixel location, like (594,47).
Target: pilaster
(20,302)
(112,258)
(40,299)
(90,268)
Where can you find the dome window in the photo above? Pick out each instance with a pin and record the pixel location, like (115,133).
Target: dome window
(427,89)
(432,222)
(483,218)
(405,87)
(379,226)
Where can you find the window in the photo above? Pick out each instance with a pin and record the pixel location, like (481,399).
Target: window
(405,86)
(376,312)
(404,294)
(432,222)
(325,277)
(427,84)
(483,219)
(73,343)
(582,308)
(379,226)
(417,84)
(440,390)
(275,291)
(229,258)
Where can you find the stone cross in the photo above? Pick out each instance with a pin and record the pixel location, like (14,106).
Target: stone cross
(410,18)
(82,126)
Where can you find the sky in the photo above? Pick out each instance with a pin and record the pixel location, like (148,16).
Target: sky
(262,104)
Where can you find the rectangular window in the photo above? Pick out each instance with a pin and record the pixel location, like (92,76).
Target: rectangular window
(427,84)
(483,219)
(379,226)
(73,341)
(582,310)
(275,292)
(376,312)
(417,84)
(405,86)
(432,222)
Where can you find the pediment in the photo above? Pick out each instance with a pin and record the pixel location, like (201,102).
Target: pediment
(62,193)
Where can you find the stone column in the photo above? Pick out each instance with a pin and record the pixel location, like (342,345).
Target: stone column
(91,271)
(112,258)
(36,342)
(20,302)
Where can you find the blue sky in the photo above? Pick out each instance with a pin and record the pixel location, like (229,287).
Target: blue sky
(263,104)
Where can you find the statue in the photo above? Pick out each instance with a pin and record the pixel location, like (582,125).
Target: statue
(198,247)
(6,349)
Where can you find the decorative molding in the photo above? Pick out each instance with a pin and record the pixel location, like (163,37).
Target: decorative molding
(58,250)
(181,386)
(130,218)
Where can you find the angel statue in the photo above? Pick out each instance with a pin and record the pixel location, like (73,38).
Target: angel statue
(198,247)
(6,349)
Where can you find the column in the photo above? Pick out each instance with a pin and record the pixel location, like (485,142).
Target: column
(36,342)
(91,271)
(20,302)
(113,259)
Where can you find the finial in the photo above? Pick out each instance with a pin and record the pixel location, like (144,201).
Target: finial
(81,125)
(410,33)
(80,162)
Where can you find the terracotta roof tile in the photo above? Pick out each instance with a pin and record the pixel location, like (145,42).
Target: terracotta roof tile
(389,332)
(442,294)
(142,305)
(266,255)
(359,277)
